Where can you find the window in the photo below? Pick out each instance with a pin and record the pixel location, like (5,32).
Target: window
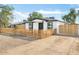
(50,25)
(30,25)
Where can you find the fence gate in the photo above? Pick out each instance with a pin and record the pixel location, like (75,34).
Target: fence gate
(69,29)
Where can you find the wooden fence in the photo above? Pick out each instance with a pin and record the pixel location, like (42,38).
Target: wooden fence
(69,29)
(66,29)
(6,30)
(34,33)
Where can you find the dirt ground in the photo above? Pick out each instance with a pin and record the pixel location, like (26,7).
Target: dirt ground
(54,45)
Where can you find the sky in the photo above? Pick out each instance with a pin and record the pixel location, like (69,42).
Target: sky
(22,11)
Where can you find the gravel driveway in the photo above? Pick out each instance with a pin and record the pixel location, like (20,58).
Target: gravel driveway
(54,45)
(9,42)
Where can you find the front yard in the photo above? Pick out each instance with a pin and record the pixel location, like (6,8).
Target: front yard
(51,45)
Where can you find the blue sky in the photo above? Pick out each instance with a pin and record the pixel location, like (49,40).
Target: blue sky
(21,11)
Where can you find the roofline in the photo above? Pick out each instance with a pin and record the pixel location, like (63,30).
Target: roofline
(51,20)
(60,21)
(39,19)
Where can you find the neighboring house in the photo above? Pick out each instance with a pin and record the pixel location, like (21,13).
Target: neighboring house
(40,24)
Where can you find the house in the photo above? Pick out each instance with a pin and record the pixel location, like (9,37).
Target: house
(41,27)
(44,24)
(41,24)
(38,28)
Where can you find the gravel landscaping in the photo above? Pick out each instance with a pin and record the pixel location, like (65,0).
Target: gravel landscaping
(53,45)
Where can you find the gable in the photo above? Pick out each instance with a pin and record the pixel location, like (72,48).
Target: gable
(38,20)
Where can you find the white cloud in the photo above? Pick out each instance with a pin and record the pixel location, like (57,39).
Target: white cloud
(77,9)
(24,15)
(19,16)
(50,12)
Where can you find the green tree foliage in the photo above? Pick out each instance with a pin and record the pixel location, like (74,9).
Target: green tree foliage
(71,17)
(34,15)
(5,15)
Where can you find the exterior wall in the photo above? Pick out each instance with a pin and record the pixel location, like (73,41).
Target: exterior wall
(59,23)
(35,26)
(56,26)
(44,25)
(27,26)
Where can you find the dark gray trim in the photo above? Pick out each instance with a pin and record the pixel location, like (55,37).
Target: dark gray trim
(52,20)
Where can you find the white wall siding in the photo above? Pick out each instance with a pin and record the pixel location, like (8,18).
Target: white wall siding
(27,26)
(35,26)
(56,25)
(44,25)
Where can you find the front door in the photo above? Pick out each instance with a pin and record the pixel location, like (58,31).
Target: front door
(40,26)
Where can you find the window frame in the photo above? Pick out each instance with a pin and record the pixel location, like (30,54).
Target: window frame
(50,25)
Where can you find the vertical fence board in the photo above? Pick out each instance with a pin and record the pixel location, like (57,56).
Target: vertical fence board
(38,34)
(69,29)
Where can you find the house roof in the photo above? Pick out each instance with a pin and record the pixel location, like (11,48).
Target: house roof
(49,20)
(39,20)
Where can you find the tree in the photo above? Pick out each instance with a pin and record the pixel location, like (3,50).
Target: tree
(35,15)
(5,15)
(66,18)
(71,17)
